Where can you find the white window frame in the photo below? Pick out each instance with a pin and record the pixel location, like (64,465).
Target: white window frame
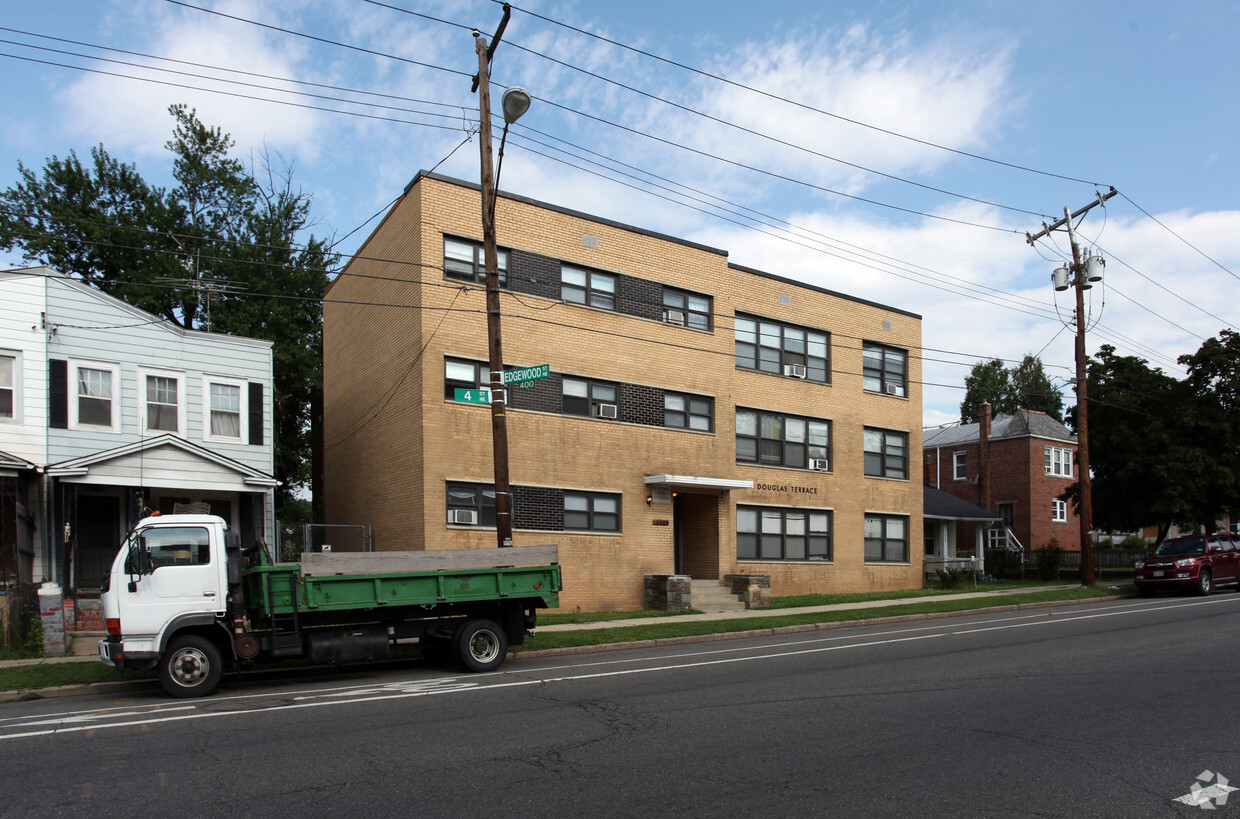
(244,426)
(1059,510)
(179,378)
(960,465)
(75,367)
(1058,461)
(15,387)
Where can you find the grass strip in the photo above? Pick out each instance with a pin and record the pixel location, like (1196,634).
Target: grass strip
(670,630)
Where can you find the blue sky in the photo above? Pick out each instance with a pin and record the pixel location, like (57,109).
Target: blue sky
(843,156)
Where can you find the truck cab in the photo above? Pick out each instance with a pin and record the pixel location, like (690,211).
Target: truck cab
(170,577)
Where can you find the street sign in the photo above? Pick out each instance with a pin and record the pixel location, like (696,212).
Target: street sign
(527,374)
(481,395)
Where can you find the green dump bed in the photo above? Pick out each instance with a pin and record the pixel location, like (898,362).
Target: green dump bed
(371,580)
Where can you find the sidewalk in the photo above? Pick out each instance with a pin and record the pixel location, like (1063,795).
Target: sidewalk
(749,614)
(83,644)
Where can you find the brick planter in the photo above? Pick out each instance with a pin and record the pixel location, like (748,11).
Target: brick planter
(755,589)
(668,592)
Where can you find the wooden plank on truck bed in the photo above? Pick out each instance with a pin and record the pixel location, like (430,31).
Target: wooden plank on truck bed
(431,560)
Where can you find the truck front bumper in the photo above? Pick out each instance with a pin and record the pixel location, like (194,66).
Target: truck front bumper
(114,654)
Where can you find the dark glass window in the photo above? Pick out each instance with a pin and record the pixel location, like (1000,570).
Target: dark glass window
(886,453)
(471,504)
(782,349)
(884,369)
(886,539)
(689,309)
(590,287)
(584,396)
(465,260)
(773,439)
(592,511)
(782,534)
(688,411)
(461,374)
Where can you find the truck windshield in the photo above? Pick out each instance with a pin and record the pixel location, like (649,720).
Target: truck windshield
(1182,546)
(178,546)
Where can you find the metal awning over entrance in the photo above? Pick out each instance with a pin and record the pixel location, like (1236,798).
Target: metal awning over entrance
(697,482)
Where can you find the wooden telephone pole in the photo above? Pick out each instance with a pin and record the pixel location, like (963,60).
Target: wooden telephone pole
(1077,269)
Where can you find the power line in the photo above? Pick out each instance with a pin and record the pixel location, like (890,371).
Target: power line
(801,105)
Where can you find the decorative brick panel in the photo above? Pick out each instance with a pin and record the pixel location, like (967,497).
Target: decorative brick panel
(641,405)
(537,507)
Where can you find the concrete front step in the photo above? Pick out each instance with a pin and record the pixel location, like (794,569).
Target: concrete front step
(711,595)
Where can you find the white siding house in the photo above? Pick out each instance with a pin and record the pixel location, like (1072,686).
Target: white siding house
(117,412)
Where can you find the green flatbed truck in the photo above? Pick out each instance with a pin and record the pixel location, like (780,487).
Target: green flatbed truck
(183,597)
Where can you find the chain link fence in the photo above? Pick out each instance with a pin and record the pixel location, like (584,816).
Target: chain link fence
(292,539)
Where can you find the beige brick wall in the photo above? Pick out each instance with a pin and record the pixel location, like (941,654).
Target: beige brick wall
(392,441)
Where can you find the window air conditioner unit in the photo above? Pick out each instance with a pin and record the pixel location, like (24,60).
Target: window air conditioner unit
(463,517)
(894,389)
(605,410)
(674,317)
(795,370)
(819,464)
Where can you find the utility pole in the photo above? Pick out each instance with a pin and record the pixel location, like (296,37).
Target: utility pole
(1080,284)
(499,421)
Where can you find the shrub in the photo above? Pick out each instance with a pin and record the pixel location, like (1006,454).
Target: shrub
(950,578)
(1135,543)
(1049,560)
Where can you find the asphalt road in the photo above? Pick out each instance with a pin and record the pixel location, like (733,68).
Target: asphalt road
(1108,709)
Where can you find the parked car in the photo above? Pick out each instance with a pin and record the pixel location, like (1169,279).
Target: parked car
(1195,563)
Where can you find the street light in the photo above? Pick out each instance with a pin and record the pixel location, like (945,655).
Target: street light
(516,102)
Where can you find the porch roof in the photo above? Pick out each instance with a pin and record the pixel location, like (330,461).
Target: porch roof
(698,482)
(939,505)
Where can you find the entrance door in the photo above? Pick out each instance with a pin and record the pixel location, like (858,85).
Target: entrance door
(98,538)
(697,535)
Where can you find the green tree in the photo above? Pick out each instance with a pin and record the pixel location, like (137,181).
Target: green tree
(989,382)
(1034,390)
(1153,448)
(225,233)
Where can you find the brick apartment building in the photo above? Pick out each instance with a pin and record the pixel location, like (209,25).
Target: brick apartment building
(699,418)
(1015,466)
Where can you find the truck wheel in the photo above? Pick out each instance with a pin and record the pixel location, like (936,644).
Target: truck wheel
(481,645)
(191,667)
(1204,582)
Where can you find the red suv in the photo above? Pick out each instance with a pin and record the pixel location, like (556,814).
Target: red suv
(1196,562)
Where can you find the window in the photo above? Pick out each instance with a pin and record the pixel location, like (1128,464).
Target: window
(772,439)
(591,512)
(782,349)
(688,411)
(590,398)
(161,401)
(179,546)
(886,453)
(960,466)
(884,369)
(224,420)
(471,504)
(886,539)
(782,534)
(689,309)
(465,375)
(1059,510)
(466,261)
(1058,462)
(590,287)
(8,387)
(94,396)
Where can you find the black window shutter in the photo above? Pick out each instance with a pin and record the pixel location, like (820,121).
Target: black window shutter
(58,394)
(256,414)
